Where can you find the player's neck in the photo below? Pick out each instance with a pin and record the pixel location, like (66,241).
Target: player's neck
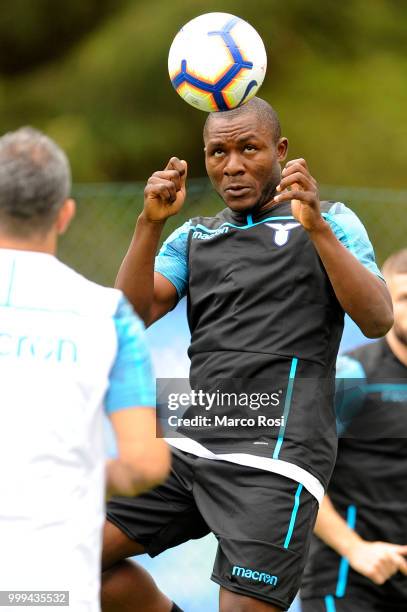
(43,244)
(398,348)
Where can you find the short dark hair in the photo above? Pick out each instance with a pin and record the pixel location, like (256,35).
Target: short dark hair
(396,263)
(35,180)
(258,106)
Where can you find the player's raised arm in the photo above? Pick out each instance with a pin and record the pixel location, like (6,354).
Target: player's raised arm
(361,293)
(153,295)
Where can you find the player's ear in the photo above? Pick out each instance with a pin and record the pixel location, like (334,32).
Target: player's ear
(282,148)
(65,215)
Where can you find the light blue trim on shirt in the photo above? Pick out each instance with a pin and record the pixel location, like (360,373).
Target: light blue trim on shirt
(344,563)
(378,387)
(330,603)
(287,407)
(240,227)
(293,516)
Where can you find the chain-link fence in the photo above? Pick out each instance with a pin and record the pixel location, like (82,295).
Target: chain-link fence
(100,235)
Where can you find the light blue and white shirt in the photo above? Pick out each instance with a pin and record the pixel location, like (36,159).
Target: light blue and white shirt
(68,349)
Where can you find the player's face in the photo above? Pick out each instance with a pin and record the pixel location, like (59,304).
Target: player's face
(243,161)
(397,284)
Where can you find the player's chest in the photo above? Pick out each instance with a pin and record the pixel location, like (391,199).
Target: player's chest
(277,253)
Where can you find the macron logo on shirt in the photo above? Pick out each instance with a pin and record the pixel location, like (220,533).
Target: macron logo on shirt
(35,347)
(198,235)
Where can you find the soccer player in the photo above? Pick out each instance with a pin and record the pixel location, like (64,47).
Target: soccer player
(358,561)
(268,280)
(68,347)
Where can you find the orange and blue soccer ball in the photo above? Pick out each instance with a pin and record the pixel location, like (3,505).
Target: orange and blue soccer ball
(217,62)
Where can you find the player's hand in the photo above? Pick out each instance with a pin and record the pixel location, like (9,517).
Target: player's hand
(165,191)
(120,480)
(301,188)
(378,561)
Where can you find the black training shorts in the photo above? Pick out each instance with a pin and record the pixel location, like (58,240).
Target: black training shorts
(263,523)
(349,604)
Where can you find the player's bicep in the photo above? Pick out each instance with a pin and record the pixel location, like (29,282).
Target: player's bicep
(165,297)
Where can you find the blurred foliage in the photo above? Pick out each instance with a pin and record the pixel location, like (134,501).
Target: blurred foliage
(35,32)
(93,74)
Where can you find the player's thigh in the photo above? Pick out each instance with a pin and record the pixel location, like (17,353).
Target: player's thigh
(263,523)
(117,546)
(234,602)
(156,520)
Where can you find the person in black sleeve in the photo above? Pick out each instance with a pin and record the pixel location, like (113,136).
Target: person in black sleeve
(358,560)
(267,282)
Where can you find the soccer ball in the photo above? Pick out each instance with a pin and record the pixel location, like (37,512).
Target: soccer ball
(217,61)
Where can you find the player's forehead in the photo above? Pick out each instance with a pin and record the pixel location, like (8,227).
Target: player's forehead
(237,128)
